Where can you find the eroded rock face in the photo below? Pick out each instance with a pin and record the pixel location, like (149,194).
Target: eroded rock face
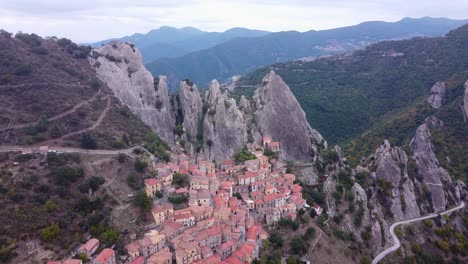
(224,130)
(244,104)
(119,65)
(280,116)
(191,108)
(434,176)
(392,165)
(465,103)
(437,96)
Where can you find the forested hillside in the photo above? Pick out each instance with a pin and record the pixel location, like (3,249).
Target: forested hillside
(376,93)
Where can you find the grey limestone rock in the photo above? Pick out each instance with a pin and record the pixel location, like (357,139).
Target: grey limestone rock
(279,115)
(119,65)
(392,165)
(224,129)
(434,176)
(437,96)
(191,107)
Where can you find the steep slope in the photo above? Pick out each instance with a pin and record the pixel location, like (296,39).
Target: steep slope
(49,94)
(169,42)
(344,96)
(280,116)
(224,128)
(239,56)
(191,106)
(120,66)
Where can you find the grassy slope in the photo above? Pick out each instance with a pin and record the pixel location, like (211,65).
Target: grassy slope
(46,77)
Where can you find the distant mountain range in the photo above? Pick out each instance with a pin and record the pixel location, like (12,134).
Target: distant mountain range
(169,42)
(241,55)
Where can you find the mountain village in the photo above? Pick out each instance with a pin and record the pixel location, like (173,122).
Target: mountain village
(228,211)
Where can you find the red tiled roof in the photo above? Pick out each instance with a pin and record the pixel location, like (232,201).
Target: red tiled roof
(227,245)
(234,260)
(152,181)
(90,245)
(104,256)
(269,197)
(139,260)
(72,261)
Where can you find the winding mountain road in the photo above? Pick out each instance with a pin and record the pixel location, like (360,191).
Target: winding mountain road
(397,244)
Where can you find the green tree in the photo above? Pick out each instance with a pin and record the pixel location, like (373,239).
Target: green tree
(297,245)
(49,233)
(276,239)
(140,165)
(50,206)
(180,180)
(292,260)
(143,201)
(88,141)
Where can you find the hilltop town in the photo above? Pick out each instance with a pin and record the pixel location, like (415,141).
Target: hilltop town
(205,213)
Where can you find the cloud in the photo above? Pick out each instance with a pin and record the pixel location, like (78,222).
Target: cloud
(86,20)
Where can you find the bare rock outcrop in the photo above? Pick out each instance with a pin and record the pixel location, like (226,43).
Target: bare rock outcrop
(191,107)
(279,115)
(434,176)
(465,103)
(244,105)
(392,165)
(437,96)
(119,65)
(224,130)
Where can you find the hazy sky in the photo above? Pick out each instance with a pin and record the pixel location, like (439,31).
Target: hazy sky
(86,20)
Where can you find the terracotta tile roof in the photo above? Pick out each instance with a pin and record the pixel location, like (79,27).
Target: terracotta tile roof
(104,256)
(269,197)
(226,245)
(92,244)
(234,260)
(214,231)
(133,247)
(72,261)
(139,260)
(172,225)
(152,182)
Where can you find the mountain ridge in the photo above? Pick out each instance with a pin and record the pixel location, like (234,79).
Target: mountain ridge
(240,55)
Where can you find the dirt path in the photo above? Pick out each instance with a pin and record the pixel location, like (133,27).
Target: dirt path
(94,126)
(63,114)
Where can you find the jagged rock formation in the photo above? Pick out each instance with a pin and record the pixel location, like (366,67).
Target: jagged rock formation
(437,96)
(224,130)
(120,65)
(191,107)
(280,116)
(392,164)
(434,176)
(244,105)
(465,103)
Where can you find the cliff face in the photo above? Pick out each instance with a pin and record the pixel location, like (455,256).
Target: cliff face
(279,115)
(437,95)
(191,107)
(434,176)
(120,66)
(224,129)
(392,164)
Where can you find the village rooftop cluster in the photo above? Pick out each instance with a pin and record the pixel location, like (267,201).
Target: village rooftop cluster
(224,219)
